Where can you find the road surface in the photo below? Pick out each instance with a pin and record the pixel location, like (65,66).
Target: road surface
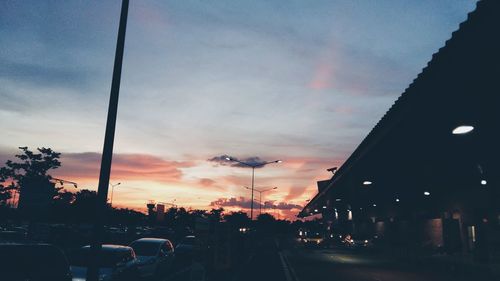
(289,261)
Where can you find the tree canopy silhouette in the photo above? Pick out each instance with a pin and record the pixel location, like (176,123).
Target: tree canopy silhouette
(29,175)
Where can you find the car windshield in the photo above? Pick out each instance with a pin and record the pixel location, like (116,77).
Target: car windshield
(145,248)
(108,258)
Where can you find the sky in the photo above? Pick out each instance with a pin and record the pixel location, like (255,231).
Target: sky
(299,81)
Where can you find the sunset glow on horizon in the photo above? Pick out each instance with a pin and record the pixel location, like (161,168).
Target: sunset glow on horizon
(257,80)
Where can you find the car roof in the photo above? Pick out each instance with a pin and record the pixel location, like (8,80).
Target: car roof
(111,247)
(27,244)
(151,240)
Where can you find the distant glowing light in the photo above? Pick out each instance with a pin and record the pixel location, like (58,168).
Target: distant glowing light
(279,161)
(315,210)
(324,207)
(397,199)
(464,129)
(338,199)
(427,193)
(228,158)
(367,183)
(484,182)
(374,205)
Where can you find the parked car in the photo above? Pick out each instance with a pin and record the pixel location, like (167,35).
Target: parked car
(116,262)
(189,248)
(154,256)
(33,262)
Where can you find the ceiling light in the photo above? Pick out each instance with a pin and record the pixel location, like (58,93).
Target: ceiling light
(367,182)
(397,199)
(484,182)
(463,129)
(427,193)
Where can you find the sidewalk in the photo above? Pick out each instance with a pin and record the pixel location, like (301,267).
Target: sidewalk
(458,264)
(462,264)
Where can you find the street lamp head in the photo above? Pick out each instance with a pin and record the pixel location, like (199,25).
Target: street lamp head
(367,183)
(228,158)
(463,129)
(279,161)
(119,183)
(75,185)
(275,187)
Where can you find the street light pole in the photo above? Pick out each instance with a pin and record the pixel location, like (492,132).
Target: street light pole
(260,196)
(251,202)
(253,166)
(112,191)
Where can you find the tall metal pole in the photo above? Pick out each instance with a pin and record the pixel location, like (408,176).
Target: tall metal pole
(107,153)
(112,191)
(251,204)
(260,203)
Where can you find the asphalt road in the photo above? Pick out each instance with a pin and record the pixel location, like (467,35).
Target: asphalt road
(346,265)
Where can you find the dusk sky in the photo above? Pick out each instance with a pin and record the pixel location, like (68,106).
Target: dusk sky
(300,81)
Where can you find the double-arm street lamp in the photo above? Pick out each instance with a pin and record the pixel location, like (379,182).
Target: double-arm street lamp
(112,191)
(260,196)
(253,166)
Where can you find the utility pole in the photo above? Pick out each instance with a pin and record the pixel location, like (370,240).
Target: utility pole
(107,153)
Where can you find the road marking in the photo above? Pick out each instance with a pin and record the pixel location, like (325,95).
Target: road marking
(292,270)
(290,274)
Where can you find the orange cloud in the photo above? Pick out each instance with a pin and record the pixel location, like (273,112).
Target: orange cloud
(125,167)
(206,182)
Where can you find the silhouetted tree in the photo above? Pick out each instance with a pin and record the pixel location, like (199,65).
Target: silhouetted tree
(6,187)
(215,215)
(30,176)
(84,204)
(265,218)
(198,213)
(237,219)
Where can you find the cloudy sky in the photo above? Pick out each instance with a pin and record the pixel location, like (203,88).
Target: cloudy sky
(301,81)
